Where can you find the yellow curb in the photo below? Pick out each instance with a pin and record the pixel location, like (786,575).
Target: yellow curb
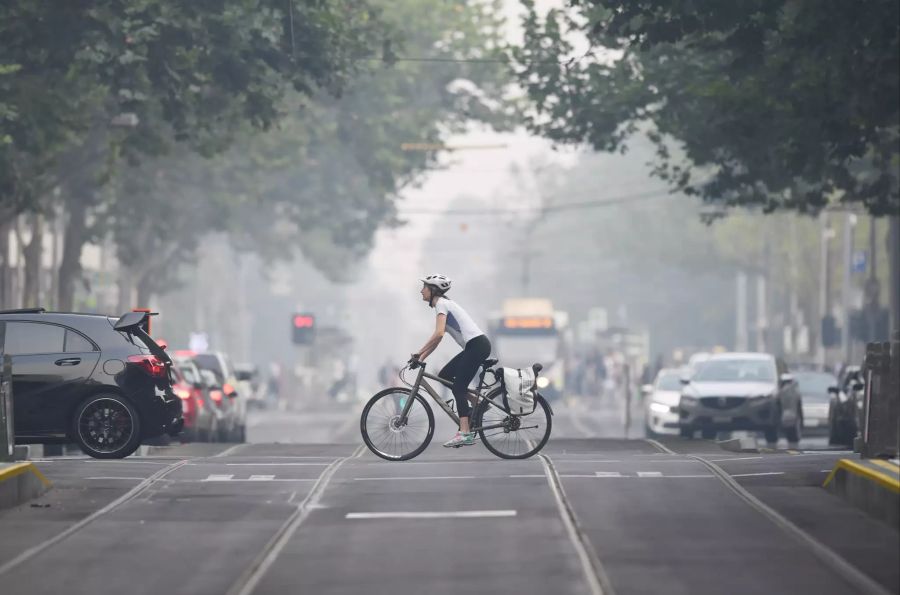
(884,464)
(871,474)
(21,468)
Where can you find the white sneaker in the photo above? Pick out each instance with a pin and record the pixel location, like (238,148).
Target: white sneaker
(460,439)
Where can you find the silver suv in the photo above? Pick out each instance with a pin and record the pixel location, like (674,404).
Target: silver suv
(741,391)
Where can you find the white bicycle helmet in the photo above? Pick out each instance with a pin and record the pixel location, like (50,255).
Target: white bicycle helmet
(442,282)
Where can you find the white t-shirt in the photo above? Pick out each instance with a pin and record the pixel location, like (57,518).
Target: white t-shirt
(459,324)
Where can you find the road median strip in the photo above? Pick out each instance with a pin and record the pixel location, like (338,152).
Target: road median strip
(20,482)
(871,485)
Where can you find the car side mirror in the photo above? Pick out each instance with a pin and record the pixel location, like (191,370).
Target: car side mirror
(859,386)
(685,380)
(197,385)
(786,379)
(833,390)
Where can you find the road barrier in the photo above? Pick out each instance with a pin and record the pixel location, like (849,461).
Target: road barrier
(880,432)
(7,434)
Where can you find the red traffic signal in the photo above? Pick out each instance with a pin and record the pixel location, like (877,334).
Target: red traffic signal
(304,328)
(304,321)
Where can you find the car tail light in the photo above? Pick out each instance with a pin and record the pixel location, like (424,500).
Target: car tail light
(216,395)
(182,393)
(228,389)
(151,364)
(198,397)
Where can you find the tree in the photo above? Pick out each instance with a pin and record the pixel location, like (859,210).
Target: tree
(777,103)
(325,178)
(172,71)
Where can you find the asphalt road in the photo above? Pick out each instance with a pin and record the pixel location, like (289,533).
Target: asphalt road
(305,509)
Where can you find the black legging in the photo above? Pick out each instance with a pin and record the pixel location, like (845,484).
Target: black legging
(462,369)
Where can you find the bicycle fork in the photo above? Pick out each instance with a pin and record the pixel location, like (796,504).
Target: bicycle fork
(404,415)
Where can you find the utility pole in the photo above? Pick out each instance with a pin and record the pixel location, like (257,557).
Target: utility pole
(740,335)
(846,288)
(824,282)
(893,246)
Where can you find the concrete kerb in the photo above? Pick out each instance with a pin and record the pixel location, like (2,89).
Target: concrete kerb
(871,485)
(19,483)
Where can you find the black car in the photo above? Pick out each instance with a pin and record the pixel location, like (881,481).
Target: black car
(95,380)
(845,407)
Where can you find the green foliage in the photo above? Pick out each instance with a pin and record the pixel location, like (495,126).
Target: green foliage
(785,104)
(324,178)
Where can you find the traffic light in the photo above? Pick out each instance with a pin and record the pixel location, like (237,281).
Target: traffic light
(303,326)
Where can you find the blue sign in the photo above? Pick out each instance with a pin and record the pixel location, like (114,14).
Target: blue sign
(858,263)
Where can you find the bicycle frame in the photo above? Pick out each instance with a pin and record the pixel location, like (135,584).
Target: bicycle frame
(421,382)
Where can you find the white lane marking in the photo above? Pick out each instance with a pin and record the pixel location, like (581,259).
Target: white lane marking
(519,476)
(219,478)
(229,451)
(284,457)
(607,474)
(128,478)
(757,474)
(733,459)
(686,476)
(277,464)
(587,461)
(448,514)
(262,477)
(649,474)
(414,477)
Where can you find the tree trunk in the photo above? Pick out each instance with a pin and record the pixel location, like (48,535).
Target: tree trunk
(144,291)
(126,290)
(5,268)
(893,242)
(75,236)
(32,254)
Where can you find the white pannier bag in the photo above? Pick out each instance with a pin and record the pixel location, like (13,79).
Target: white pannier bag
(519,390)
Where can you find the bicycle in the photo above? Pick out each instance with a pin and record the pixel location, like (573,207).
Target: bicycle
(397,423)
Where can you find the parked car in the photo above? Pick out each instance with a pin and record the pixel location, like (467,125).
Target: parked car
(741,391)
(661,403)
(845,407)
(233,426)
(815,393)
(222,403)
(201,416)
(95,380)
(249,385)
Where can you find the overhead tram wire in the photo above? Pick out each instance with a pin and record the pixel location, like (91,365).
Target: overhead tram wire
(554,208)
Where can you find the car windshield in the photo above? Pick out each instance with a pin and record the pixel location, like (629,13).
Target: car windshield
(814,385)
(736,370)
(668,381)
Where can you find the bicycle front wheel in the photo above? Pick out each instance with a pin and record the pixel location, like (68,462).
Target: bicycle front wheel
(383,432)
(511,436)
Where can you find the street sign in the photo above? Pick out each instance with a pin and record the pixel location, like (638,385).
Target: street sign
(859,261)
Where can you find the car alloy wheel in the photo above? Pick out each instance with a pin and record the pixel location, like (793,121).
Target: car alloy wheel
(107,426)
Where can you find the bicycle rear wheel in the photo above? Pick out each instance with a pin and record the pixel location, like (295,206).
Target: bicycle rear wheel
(381,429)
(519,437)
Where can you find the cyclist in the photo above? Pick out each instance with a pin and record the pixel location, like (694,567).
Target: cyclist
(462,368)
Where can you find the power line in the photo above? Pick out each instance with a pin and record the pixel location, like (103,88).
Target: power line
(554,208)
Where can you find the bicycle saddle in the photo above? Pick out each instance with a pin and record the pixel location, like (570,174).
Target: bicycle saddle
(490,363)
